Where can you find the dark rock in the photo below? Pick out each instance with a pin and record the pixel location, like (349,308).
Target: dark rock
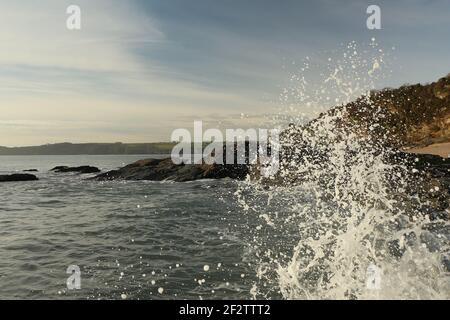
(18,177)
(81,169)
(446,263)
(165,169)
(59,168)
(394,247)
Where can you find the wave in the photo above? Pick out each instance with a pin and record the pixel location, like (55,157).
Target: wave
(345,218)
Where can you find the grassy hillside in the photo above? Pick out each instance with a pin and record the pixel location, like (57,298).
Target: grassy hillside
(412,115)
(91,148)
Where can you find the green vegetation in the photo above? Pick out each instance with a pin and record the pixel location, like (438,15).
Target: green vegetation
(412,115)
(91,149)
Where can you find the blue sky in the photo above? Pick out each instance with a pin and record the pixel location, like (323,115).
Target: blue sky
(139,69)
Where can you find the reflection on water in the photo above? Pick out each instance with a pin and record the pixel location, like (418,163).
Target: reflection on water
(129,238)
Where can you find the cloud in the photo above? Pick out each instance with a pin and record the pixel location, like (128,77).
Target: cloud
(36,35)
(95,83)
(139,69)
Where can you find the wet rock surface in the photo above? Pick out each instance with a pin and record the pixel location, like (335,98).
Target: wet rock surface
(165,169)
(80,169)
(18,177)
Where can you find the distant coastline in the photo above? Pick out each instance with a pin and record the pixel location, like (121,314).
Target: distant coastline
(89,149)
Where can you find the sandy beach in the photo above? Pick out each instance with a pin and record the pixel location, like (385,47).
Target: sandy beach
(441,149)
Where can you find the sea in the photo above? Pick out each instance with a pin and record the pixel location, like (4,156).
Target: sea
(129,239)
(67,236)
(344,224)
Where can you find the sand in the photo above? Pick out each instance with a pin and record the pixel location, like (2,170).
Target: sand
(440,149)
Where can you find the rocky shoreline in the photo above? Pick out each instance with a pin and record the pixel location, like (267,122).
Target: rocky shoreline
(165,169)
(80,169)
(434,166)
(414,116)
(16,177)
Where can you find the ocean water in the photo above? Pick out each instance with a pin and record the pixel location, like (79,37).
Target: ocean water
(145,240)
(343,222)
(212,239)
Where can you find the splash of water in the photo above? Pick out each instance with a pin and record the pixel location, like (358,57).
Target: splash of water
(342,220)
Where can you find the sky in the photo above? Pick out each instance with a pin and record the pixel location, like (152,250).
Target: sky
(139,69)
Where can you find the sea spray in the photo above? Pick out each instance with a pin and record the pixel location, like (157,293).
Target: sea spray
(344,205)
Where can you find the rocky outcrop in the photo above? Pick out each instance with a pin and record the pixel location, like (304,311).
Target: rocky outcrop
(81,169)
(165,169)
(409,116)
(437,169)
(412,115)
(18,177)
(431,182)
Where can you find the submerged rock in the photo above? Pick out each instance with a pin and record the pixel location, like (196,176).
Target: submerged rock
(18,177)
(81,169)
(165,169)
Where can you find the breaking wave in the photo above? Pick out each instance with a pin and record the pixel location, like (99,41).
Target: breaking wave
(346,217)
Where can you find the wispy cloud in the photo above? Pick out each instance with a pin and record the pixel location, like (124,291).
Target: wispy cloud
(35,34)
(140,68)
(54,81)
